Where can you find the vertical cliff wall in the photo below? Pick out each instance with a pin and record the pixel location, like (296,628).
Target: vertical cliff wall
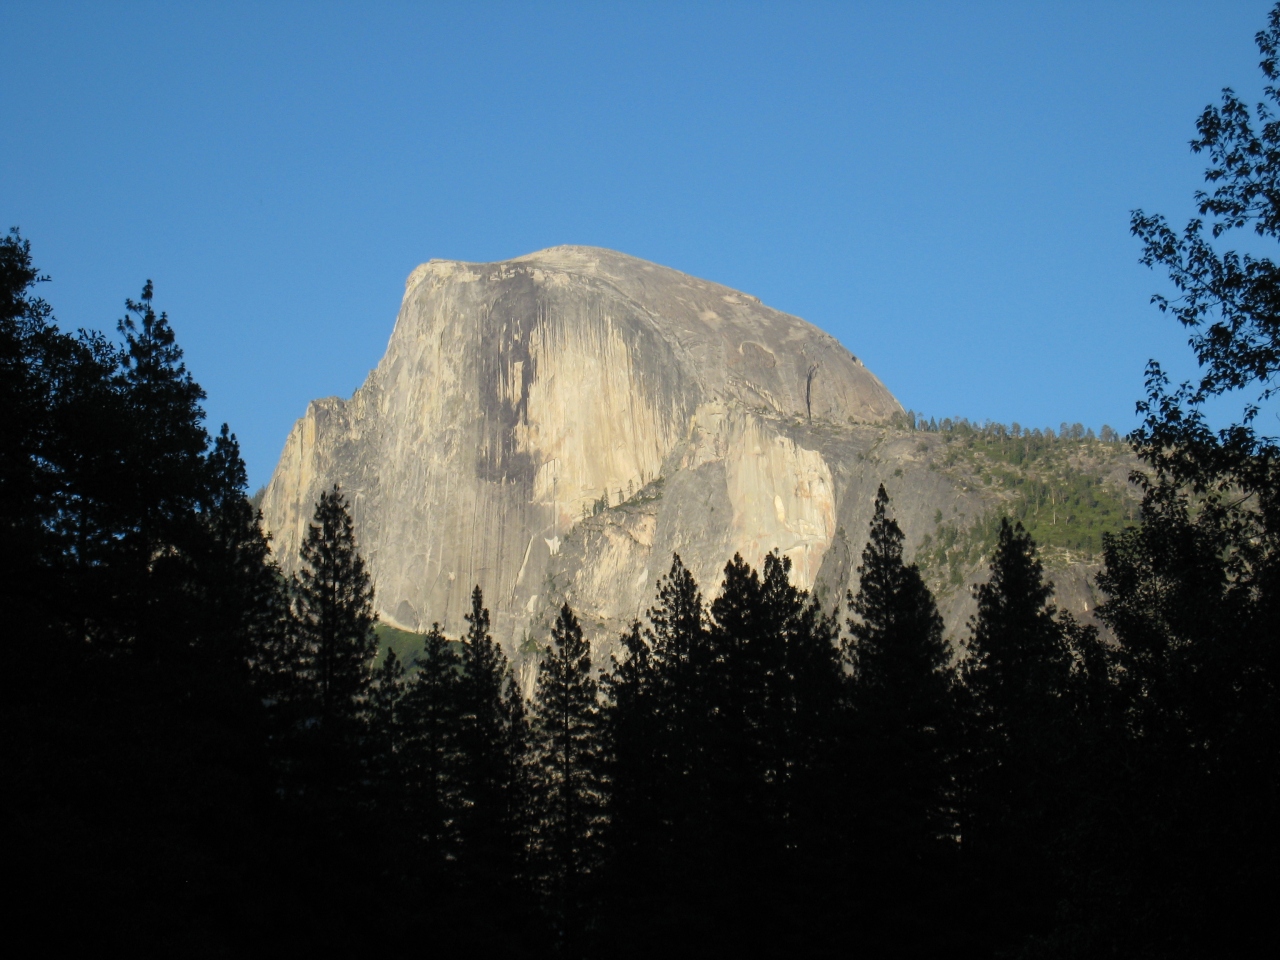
(554,426)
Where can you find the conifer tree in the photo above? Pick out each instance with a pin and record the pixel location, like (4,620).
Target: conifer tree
(60,404)
(1017,677)
(1018,662)
(738,695)
(243,603)
(432,707)
(813,701)
(488,768)
(738,844)
(658,723)
(669,666)
(166,402)
(26,482)
(801,730)
(680,656)
(772,671)
(141,588)
(518,802)
(567,770)
(384,721)
(157,487)
(333,610)
(899,744)
(632,724)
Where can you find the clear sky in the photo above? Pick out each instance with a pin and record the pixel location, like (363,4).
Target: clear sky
(945,187)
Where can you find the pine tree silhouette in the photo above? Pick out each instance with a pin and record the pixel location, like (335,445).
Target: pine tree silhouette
(27,474)
(901,738)
(814,805)
(738,688)
(658,727)
(672,666)
(432,709)
(1017,679)
(333,610)
(158,486)
(900,690)
(384,753)
(143,597)
(569,791)
(489,770)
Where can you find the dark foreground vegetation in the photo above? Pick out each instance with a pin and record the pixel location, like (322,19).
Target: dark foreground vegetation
(199,757)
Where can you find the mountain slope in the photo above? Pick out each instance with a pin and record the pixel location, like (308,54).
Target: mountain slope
(556,426)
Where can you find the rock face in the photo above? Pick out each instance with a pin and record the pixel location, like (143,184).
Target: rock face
(556,426)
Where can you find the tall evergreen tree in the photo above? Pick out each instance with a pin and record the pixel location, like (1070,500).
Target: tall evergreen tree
(432,709)
(242,601)
(810,807)
(143,580)
(158,486)
(680,658)
(658,723)
(901,740)
(1018,683)
(489,770)
(60,403)
(27,335)
(333,608)
(744,659)
(900,691)
(385,721)
(660,718)
(1018,662)
(568,780)
(772,671)
(166,402)
(632,724)
(740,841)
(519,798)
(809,694)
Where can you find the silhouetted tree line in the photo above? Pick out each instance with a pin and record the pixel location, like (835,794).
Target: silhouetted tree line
(201,757)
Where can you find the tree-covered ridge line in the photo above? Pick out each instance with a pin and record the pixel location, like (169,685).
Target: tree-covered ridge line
(1021,442)
(1068,489)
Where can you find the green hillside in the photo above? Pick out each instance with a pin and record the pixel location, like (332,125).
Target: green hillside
(1068,488)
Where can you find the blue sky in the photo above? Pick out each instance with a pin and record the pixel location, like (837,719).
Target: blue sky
(945,187)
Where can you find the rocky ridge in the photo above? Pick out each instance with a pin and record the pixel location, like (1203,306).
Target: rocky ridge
(555,426)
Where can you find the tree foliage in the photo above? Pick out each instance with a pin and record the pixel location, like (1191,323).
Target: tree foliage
(1230,301)
(333,614)
(901,694)
(567,771)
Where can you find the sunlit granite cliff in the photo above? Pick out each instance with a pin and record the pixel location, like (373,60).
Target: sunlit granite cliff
(556,426)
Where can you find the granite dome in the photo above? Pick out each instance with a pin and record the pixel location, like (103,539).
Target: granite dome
(556,425)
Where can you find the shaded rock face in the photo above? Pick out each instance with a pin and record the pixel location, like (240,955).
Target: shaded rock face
(554,427)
